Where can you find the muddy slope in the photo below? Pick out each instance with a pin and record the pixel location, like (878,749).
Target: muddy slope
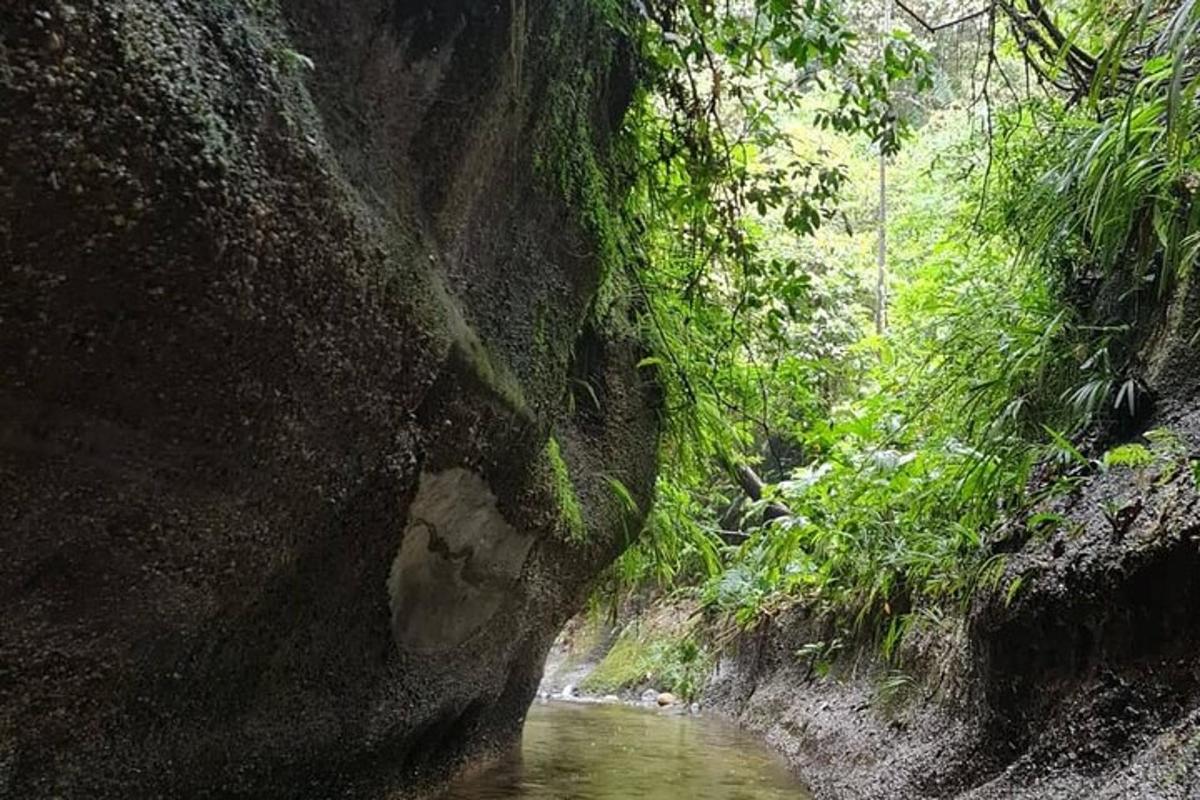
(1082,683)
(293,495)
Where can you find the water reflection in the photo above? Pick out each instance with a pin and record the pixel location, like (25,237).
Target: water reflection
(611,752)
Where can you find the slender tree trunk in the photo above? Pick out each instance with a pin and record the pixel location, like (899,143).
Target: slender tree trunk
(753,486)
(881,255)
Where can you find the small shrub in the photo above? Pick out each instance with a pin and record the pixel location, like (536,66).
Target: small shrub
(1133,456)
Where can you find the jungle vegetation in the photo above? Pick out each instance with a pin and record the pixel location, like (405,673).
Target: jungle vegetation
(860,394)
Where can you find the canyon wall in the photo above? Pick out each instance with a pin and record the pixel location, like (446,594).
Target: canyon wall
(317,365)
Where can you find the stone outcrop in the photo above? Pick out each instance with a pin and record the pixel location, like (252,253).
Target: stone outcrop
(316,364)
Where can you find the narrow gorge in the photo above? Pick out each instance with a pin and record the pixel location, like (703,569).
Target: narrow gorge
(826,369)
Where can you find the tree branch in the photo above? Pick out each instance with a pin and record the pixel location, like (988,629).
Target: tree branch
(943,25)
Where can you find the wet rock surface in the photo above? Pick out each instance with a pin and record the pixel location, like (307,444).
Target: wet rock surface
(287,320)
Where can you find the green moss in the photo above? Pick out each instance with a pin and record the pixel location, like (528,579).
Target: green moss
(624,666)
(542,340)
(1134,456)
(569,156)
(489,372)
(568,504)
(665,659)
(588,640)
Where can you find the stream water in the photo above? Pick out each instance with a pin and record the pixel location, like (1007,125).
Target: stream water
(611,752)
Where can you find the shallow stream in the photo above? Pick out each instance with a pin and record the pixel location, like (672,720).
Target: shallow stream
(577,751)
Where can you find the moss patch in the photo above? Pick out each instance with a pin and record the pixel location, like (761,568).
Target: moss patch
(657,652)
(573,158)
(568,504)
(627,665)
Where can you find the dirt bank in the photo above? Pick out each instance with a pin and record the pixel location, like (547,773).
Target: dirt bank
(1075,677)
(1082,683)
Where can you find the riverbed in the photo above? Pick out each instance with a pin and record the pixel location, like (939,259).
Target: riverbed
(574,751)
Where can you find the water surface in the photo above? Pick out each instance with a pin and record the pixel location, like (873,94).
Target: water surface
(574,751)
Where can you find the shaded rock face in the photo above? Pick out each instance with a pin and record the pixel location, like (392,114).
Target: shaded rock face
(281,349)
(458,561)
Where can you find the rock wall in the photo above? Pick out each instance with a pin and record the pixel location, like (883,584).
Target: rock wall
(315,361)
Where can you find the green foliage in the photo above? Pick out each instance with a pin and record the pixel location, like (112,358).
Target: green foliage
(568,504)
(681,667)
(1134,456)
(1165,443)
(296,60)
(910,446)
(667,661)
(893,689)
(1105,192)
(1014,588)
(896,455)
(819,656)
(738,321)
